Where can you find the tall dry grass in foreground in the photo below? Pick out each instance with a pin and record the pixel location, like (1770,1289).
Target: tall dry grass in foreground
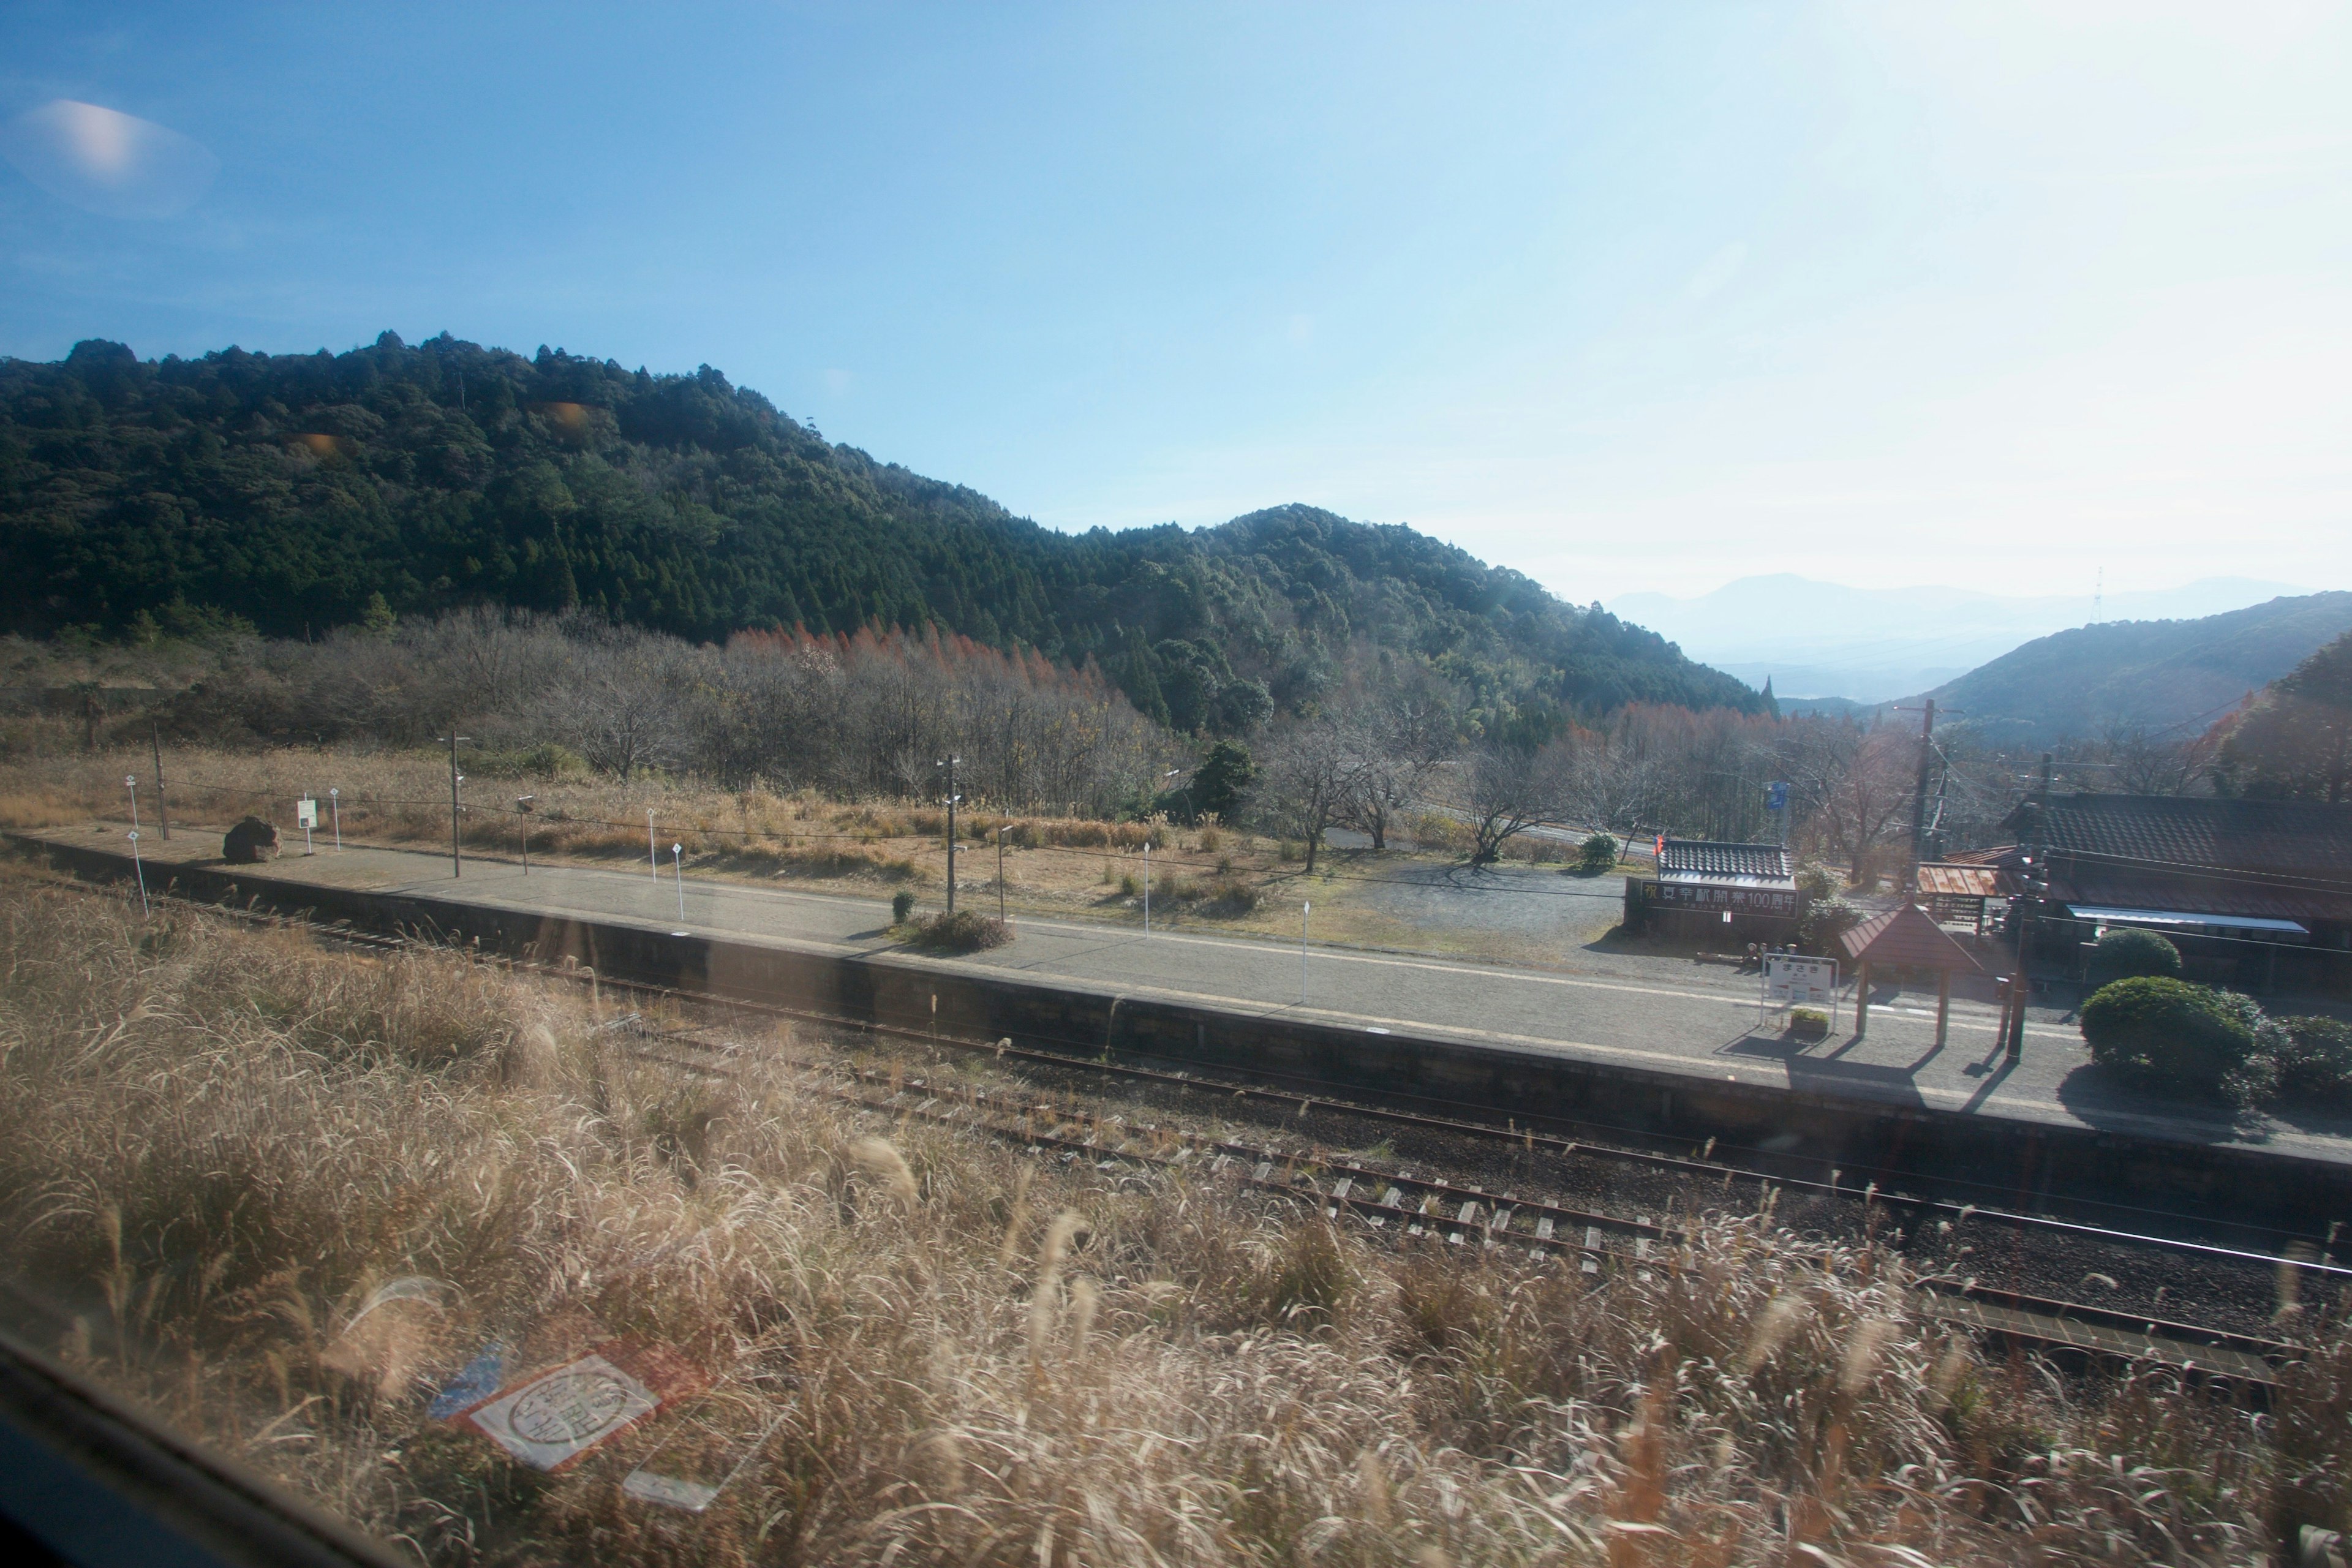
(215,1145)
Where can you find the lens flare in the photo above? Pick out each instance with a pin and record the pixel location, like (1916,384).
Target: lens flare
(106,161)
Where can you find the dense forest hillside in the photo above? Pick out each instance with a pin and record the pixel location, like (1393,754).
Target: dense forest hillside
(300,492)
(2151,676)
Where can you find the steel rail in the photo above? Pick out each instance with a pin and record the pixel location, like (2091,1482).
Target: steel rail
(2316,1265)
(1490,1218)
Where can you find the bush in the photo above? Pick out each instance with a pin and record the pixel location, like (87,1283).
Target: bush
(1808,1023)
(1596,855)
(962,932)
(2180,1038)
(1817,881)
(1823,921)
(2121,954)
(2315,1059)
(902,905)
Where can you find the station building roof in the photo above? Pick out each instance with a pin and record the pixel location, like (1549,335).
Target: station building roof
(2255,859)
(1725,865)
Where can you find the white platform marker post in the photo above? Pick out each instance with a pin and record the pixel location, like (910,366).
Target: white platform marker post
(653,850)
(141,870)
(1303,911)
(678,865)
(335,809)
(131,783)
(1147,886)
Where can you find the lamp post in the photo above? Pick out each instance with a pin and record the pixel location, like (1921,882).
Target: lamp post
(523,827)
(456,858)
(163,811)
(142,872)
(949,764)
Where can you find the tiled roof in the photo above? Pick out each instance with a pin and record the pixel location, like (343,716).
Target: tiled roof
(2284,838)
(1905,935)
(1698,860)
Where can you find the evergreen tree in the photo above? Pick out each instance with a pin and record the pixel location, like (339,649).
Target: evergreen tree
(2296,741)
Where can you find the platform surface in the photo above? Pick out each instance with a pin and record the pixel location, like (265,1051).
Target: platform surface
(1658,1014)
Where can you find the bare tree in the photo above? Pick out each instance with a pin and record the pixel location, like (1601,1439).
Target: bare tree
(1397,738)
(1306,780)
(619,708)
(1508,789)
(1860,784)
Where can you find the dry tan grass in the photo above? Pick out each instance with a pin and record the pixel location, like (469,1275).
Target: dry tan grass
(215,1144)
(403,799)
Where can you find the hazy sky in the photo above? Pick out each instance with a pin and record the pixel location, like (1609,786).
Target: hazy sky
(1627,298)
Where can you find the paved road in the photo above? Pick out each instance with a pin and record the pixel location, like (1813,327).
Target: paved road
(1652,1012)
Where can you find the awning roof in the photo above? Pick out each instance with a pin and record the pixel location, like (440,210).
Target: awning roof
(1905,935)
(2102,912)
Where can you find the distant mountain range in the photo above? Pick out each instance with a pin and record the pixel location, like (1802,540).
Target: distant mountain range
(1821,639)
(2173,677)
(2168,678)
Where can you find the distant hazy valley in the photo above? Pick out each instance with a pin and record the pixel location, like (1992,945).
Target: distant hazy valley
(1873,644)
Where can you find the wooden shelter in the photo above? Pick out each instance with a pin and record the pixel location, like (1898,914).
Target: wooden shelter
(1905,937)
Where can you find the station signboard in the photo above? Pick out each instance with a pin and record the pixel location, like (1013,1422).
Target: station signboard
(1781,901)
(1796,980)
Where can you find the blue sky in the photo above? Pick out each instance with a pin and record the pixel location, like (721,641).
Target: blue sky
(1629,299)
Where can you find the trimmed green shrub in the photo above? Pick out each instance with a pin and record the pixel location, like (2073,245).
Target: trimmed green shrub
(2315,1059)
(1817,881)
(2171,1036)
(1596,855)
(2120,954)
(1808,1023)
(902,905)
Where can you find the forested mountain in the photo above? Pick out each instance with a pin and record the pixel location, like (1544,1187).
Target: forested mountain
(300,492)
(2153,676)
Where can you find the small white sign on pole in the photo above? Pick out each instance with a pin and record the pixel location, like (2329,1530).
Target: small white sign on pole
(1793,980)
(305,813)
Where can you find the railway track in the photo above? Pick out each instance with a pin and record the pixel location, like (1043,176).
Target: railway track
(1470,1217)
(1411,1205)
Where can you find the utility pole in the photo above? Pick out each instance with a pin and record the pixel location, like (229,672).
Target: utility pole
(951,766)
(1919,794)
(162,816)
(456,857)
(2037,883)
(1305,909)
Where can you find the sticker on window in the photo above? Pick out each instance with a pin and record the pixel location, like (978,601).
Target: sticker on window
(553,1417)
